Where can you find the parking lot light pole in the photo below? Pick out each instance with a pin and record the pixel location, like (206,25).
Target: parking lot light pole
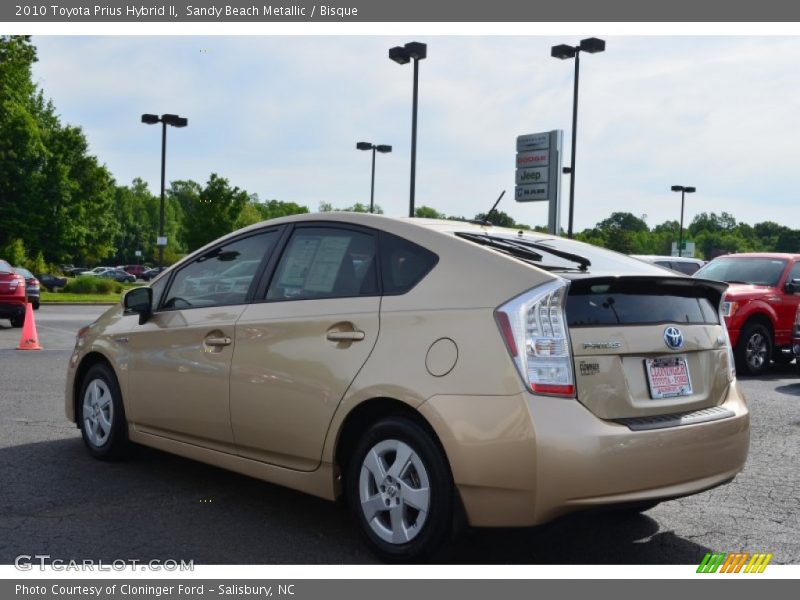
(683,189)
(165,120)
(402,55)
(562,52)
(383,149)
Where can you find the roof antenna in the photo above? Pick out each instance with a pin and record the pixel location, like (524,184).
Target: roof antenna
(489,214)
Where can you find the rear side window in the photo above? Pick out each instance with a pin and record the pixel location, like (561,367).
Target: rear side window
(688,268)
(403,264)
(325,262)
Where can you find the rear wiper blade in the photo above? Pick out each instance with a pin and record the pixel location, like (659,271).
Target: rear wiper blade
(501,244)
(526,245)
(576,258)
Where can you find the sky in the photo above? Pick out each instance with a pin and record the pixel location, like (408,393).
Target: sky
(280,116)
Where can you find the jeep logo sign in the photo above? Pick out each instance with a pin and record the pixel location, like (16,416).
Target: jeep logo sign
(535,175)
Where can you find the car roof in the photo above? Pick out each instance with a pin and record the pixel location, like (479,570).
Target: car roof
(784,255)
(661,257)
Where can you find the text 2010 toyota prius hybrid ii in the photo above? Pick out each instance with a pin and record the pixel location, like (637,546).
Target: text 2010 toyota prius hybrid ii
(429,371)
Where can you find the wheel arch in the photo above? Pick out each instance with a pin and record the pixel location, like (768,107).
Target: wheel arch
(364,415)
(760,318)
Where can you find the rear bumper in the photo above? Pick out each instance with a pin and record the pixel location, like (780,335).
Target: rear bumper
(10,310)
(524,459)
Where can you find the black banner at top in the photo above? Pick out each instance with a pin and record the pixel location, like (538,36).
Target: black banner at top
(459,11)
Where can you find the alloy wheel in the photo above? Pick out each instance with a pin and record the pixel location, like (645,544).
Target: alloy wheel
(756,351)
(98,413)
(394,491)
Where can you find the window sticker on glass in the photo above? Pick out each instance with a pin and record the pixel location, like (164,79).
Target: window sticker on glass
(325,268)
(298,260)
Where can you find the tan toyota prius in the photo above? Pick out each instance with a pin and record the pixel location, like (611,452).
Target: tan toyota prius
(430,371)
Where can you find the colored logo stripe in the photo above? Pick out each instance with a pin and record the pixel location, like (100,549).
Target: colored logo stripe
(734,563)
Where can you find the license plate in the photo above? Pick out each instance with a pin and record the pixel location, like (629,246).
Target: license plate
(668,377)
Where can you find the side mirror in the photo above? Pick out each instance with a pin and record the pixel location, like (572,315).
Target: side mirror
(139,301)
(792,287)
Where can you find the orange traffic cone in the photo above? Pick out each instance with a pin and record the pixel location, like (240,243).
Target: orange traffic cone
(29,340)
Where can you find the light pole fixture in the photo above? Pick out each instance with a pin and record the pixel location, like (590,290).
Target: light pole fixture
(402,55)
(683,189)
(563,52)
(382,148)
(165,120)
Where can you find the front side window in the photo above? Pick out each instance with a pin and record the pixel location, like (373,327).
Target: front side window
(325,262)
(794,273)
(221,276)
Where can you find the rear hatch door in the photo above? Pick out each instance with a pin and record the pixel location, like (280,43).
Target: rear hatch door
(646,346)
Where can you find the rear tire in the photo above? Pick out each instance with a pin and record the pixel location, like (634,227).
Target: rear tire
(17,321)
(400,491)
(754,349)
(101,414)
(35,305)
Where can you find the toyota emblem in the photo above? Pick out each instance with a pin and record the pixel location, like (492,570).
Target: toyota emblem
(673,338)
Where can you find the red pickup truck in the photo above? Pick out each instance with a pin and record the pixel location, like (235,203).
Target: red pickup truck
(760,307)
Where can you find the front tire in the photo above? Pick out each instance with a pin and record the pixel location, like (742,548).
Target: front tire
(102,415)
(400,491)
(754,349)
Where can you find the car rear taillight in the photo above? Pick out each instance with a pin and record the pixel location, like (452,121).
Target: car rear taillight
(797,319)
(534,330)
(730,308)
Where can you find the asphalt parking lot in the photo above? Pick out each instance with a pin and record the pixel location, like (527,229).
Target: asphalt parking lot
(55,499)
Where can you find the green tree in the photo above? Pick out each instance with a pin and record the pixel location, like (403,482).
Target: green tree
(622,221)
(426,212)
(53,193)
(14,252)
(357,207)
(208,212)
(788,241)
(499,218)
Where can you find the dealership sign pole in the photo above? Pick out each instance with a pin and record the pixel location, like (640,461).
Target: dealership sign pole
(538,175)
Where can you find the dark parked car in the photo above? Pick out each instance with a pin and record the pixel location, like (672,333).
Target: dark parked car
(152,273)
(31,286)
(12,295)
(136,270)
(51,282)
(118,275)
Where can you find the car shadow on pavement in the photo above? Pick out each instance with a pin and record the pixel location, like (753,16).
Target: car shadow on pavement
(775,372)
(57,500)
(793,389)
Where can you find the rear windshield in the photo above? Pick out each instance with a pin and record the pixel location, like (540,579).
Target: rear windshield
(5,267)
(754,271)
(609,304)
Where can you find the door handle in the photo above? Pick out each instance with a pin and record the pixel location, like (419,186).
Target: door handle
(345,336)
(218,341)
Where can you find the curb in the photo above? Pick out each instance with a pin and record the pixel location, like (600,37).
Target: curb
(78,303)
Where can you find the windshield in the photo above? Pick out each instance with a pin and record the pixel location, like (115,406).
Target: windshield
(24,272)
(753,271)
